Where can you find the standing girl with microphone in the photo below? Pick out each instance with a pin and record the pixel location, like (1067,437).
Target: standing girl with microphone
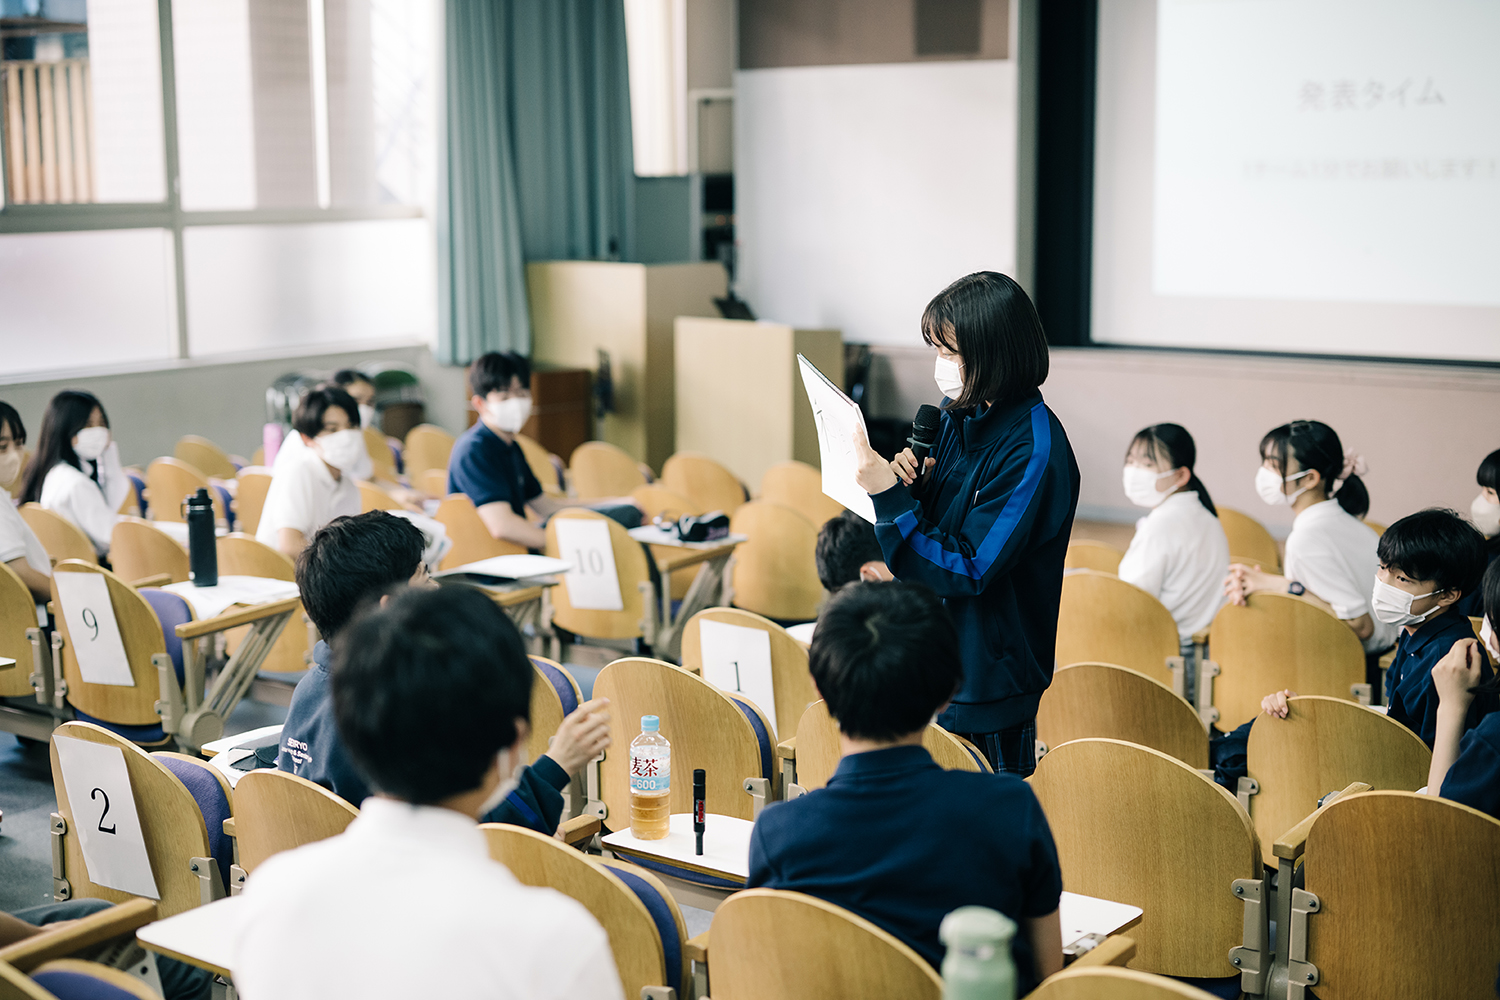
(985,522)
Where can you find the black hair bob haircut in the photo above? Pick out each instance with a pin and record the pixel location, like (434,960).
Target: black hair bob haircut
(885,657)
(427,690)
(988,320)
(9,417)
(845,543)
(315,402)
(1172,443)
(1435,544)
(1488,475)
(1315,446)
(494,371)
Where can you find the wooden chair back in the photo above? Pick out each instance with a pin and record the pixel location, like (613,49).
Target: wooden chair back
(137,551)
(171,824)
(1325,744)
(554,696)
(791,683)
(634,936)
(1103,619)
(250,497)
(1277,642)
(705,726)
(776,571)
(245,555)
(170,481)
(637,595)
(70,937)
(140,631)
(541,463)
(658,501)
(427,447)
(17,614)
(382,459)
(1432,912)
(433,482)
(275,811)
(1376,527)
(1103,700)
(472,541)
(1115,983)
(799,486)
(60,537)
(1249,541)
(205,456)
(703,481)
(372,497)
(599,469)
(1085,553)
(1136,826)
(771,943)
(818,752)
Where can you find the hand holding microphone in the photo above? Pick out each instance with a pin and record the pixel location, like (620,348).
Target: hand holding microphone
(913,462)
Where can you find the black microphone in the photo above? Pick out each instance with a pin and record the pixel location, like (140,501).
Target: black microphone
(924,432)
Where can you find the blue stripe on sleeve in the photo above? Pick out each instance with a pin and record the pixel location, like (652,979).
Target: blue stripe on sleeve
(1005,522)
(532,819)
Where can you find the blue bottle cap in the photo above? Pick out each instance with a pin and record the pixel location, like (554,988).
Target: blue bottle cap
(650,723)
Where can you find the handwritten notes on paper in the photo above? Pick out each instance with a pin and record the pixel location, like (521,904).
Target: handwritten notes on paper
(837,417)
(104,814)
(592,583)
(92,629)
(736,658)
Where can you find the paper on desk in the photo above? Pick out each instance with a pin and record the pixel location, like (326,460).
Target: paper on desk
(92,628)
(1080,915)
(516,567)
(592,583)
(738,659)
(209,602)
(837,417)
(435,541)
(104,816)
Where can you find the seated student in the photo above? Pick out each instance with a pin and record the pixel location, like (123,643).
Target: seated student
(1179,554)
(893,837)
(312,485)
(20,549)
(1428,560)
(1330,554)
(1484,511)
(76,469)
(357,559)
(431,694)
(1466,765)
(362,391)
(847,552)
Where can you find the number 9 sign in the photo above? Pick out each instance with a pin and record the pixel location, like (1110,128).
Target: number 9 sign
(93,633)
(593,584)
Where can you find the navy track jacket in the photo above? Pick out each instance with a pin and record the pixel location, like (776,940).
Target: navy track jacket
(988,533)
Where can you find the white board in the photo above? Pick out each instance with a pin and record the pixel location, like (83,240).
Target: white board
(593,583)
(837,417)
(92,629)
(104,815)
(736,658)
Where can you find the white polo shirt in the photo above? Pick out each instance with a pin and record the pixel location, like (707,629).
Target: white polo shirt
(305,496)
(18,541)
(1180,556)
(93,507)
(408,903)
(1332,553)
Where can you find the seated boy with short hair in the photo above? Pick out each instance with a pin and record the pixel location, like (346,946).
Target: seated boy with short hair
(847,552)
(355,560)
(407,901)
(893,837)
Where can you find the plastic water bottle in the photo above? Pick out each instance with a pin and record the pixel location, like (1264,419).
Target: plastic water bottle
(203,554)
(978,965)
(650,781)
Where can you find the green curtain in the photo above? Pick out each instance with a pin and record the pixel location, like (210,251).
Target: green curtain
(539,163)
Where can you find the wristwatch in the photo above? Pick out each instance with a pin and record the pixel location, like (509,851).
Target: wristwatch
(1296,589)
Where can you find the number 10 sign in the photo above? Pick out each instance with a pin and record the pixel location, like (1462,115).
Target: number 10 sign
(104,816)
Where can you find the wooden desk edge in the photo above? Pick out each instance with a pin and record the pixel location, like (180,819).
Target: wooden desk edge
(686,866)
(197,963)
(234,619)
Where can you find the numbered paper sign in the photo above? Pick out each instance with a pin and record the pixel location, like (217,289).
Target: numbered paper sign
(736,658)
(593,584)
(92,628)
(104,816)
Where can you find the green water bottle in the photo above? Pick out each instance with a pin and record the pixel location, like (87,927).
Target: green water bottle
(978,965)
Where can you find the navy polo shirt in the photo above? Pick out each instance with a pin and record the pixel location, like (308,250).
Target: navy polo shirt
(487,470)
(1414,700)
(902,842)
(1474,779)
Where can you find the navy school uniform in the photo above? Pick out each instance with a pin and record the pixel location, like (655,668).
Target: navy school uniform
(1413,699)
(1474,778)
(487,470)
(988,534)
(894,838)
(311,748)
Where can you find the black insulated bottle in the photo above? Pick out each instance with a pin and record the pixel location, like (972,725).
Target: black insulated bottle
(203,556)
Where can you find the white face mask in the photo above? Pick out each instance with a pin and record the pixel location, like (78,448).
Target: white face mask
(510,415)
(342,449)
(1392,605)
(949,376)
(1487,636)
(89,443)
(10,466)
(505,786)
(1486,516)
(1140,485)
(366,415)
(1268,485)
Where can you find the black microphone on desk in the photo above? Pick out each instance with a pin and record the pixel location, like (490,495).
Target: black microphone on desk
(924,433)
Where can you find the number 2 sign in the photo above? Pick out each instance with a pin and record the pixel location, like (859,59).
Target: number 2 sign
(104,816)
(92,629)
(592,583)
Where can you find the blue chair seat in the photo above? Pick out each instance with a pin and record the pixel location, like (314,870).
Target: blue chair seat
(65,984)
(172,611)
(212,803)
(666,924)
(560,684)
(145,735)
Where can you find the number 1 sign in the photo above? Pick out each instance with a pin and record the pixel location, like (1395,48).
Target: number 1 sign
(104,816)
(592,583)
(92,629)
(736,658)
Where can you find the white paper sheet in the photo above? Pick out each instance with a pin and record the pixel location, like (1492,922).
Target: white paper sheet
(516,567)
(837,416)
(104,816)
(93,630)
(736,658)
(593,583)
(1079,915)
(435,541)
(209,602)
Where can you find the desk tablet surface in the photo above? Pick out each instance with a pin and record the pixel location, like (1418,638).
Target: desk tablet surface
(512,567)
(203,936)
(652,535)
(1081,915)
(209,602)
(726,845)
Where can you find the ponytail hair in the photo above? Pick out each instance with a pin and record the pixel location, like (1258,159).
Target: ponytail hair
(1317,447)
(1172,443)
